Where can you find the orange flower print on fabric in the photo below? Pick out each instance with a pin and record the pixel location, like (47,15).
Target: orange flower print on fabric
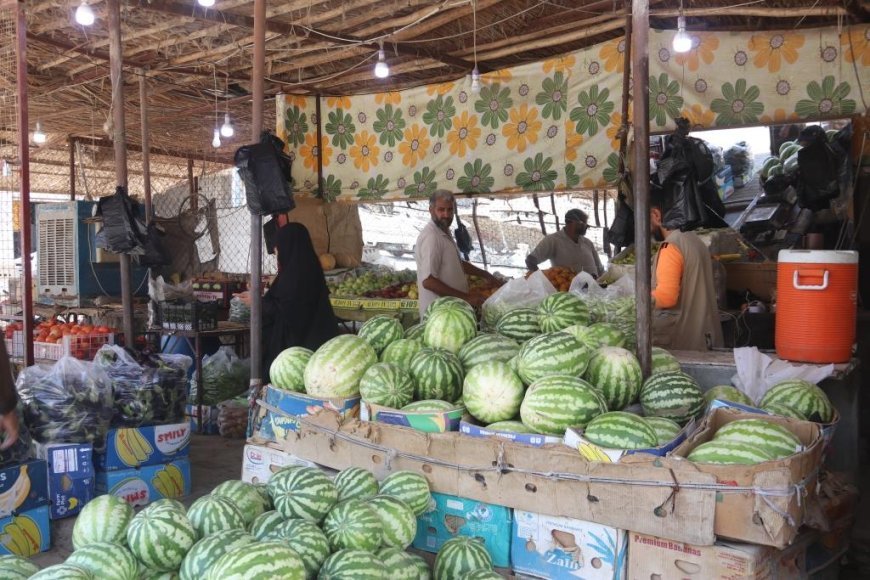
(856,44)
(388,98)
(774,50)
(522,129)
(699,117)
(338,103)
(439,89)
(573,140)
(464,135)
(613,130)
(779,116)
(309,151)
(364,151)
(295,101)
(497,76)
(415,146)
(704,45)
(562,64)
(613,54)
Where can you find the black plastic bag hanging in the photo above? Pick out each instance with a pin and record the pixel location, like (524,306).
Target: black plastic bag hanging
(120,233)
(265,171)
(621,233)
(154,253)
(463,239)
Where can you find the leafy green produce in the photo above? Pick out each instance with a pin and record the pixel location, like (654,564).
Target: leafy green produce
(225,376)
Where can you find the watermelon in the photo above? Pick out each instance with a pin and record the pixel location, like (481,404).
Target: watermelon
(401,565)
(552,354)
(450,328)
(665,429)
(561,310)
(380,331)
(486,348)
(288,369)
(244,496)
(401,352)
(438,374)
(353,525)
(447,302)
(598,335)
(398,521)
(410,487)
(802,396)
(208,550)
(616,373)
(768,164)
(308,541)
(103,519)
(785,145)
(166,503)
(663,361)
(63,572)
(492,392)
(154,575)
(160,539)
(257,561)
(771,437)
(430,406)
(355,483)
(304,493)
(620,430)
(788,150)
(783,411)
(481,574)
(510,427)
(211,513)
(265,524)
(460,555)
(673,395)
(353,565)
(14,567)
(388,385)
(553,404)
(107,561)
(728,453)
(727,393)
(415,332)
(336,368)
(520,324)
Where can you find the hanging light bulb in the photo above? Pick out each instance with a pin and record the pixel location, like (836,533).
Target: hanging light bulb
(38,136)
(382,69)
(227,128)
(682,40)
(84,14)
(475,80)
(216,142)
(205,3)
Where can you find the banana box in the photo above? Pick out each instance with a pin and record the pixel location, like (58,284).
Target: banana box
(135,447)
(279,411)
(25,534)
(574,438)
(23,486)
(141,486)
(71,482)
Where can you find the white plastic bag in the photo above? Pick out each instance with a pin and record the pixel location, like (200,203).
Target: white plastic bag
(517,293)
(757,372)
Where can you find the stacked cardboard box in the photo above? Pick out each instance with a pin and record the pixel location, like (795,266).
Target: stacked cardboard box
(24,509)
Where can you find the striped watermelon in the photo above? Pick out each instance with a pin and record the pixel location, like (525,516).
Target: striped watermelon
(561,310)
(166,503)
(415,332)
(450,328)
(401,352)
(401,565)
(152,575)
(665,429)
(771,437)
(308,541)
(103,519)
(63,572)
(783,411)
(616,373)
(486,348)
(603,334)
(438,374)
(244,496)
(288,369)
(265,524)
(160,539)
(14,567)
(257,561)
(727,393)
(355,483)
(388,385)
(447,302)
(105,560)
(398,522)
(552,354)
(481,574)
(380,331)
(620,430)
(209,550)
(460,555)
(353,525)
(264,495)
(430,405)
(728,453)
(492,392)
(410,487)
(304,493)
(802,396)
(510,427)
(553,404)
(520,324)
(352,565)
(674,396)
(210,514)
(337,366)
(663,361)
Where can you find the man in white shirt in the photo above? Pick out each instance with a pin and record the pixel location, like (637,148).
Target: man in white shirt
(440,271)
(568,248)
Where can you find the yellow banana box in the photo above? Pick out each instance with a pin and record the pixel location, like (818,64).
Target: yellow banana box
(592,452)
(279,411)
(135,447)
(23,486)
(26,533)
(141,486)
(70,476)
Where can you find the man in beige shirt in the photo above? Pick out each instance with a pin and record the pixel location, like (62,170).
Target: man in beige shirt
(568,248)
(440,271)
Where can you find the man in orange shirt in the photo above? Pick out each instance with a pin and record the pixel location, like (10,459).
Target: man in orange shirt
(685,313)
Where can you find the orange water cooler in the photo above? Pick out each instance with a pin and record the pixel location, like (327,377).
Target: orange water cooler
(816,305)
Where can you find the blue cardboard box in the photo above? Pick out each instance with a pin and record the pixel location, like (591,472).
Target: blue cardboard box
(23,487)
(26,533)
(449,516)
(141,486)
(280,410)
(134,447)
(71,477)
(574,439)
(535,440)
(426,421)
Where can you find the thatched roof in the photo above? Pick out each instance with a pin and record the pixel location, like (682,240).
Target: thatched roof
(186,52)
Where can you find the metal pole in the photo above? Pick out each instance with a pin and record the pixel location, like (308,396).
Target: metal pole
(257,220)
(640,96)
(540,213)
(146,143)
(24,155)
(479,235)
(72,168)
(191,186)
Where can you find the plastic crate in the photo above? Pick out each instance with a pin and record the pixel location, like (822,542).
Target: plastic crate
(197,316)
(15,345)
(80,346)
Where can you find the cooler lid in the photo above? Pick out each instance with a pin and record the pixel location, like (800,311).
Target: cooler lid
(818,257)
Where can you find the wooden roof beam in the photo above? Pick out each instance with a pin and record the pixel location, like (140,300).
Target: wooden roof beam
(154,150)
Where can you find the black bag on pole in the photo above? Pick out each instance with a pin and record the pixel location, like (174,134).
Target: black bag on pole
(265,171)
(120,233)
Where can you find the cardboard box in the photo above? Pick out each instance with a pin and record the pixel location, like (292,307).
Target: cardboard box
(757,277)
(279,411)
(553,547)
(535,440)
(426,421)
(71,477)
(260,462)
(141,486)
(23,487)
(26,533)
(575,440)
(450,516)
(135,447)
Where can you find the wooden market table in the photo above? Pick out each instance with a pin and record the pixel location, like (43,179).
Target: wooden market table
(361,309)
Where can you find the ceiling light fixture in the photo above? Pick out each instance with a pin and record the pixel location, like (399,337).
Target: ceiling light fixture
(682,40)
(38,136)
(382,69)
(84,14)
(205,3)
(216,141)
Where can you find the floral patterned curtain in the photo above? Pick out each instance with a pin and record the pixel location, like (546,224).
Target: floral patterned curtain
(553,124)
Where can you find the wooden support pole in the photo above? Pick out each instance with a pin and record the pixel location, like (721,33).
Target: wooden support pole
(540,213)
(146,144)
(191,186)
(24,183)
(479,235)
(553,207)
(258,93)
(72,168)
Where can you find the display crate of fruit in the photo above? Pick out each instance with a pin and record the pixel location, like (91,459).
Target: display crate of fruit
(57,340)
(220,291)
(365,292)
(198,316)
